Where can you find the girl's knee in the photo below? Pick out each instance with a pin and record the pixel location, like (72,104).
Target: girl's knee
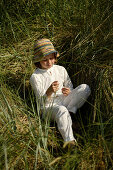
(86,88)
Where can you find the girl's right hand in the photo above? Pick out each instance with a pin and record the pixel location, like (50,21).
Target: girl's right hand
(53,88)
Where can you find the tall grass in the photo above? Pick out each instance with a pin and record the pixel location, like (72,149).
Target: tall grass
(82,32)
(23,137)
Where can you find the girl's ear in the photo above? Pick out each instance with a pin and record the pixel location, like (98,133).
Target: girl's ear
(55,60)
(57,54)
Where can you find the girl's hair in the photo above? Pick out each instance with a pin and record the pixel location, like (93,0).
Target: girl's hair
(38,65)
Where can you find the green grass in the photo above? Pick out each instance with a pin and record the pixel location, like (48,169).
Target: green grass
(82,32)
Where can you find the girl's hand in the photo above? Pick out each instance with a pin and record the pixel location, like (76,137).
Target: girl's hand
(53,88)
(66,91)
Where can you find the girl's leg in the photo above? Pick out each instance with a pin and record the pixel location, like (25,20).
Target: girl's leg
(64,123)
(77,97)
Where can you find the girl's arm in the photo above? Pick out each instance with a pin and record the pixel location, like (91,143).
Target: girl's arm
(68,86)
(37,86)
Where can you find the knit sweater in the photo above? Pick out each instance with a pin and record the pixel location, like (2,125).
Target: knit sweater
(41,80)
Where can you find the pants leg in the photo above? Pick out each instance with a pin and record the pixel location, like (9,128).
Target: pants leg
(64,123)
(77,97)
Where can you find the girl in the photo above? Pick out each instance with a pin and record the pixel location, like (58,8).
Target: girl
(52,83)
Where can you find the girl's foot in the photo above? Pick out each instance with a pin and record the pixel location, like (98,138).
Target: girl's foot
(70,144)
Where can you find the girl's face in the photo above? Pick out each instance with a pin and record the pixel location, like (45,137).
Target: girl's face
(48,61)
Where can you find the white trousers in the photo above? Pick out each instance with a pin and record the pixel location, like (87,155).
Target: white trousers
(60,113)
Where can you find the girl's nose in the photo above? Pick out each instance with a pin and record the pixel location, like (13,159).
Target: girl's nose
(49,61)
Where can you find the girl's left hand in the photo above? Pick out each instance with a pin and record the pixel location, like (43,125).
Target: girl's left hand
(66,91)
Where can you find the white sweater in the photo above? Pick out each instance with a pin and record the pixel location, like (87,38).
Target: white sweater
(41,80)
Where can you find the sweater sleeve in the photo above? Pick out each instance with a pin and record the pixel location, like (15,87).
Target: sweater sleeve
(67,80)
(37,86)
